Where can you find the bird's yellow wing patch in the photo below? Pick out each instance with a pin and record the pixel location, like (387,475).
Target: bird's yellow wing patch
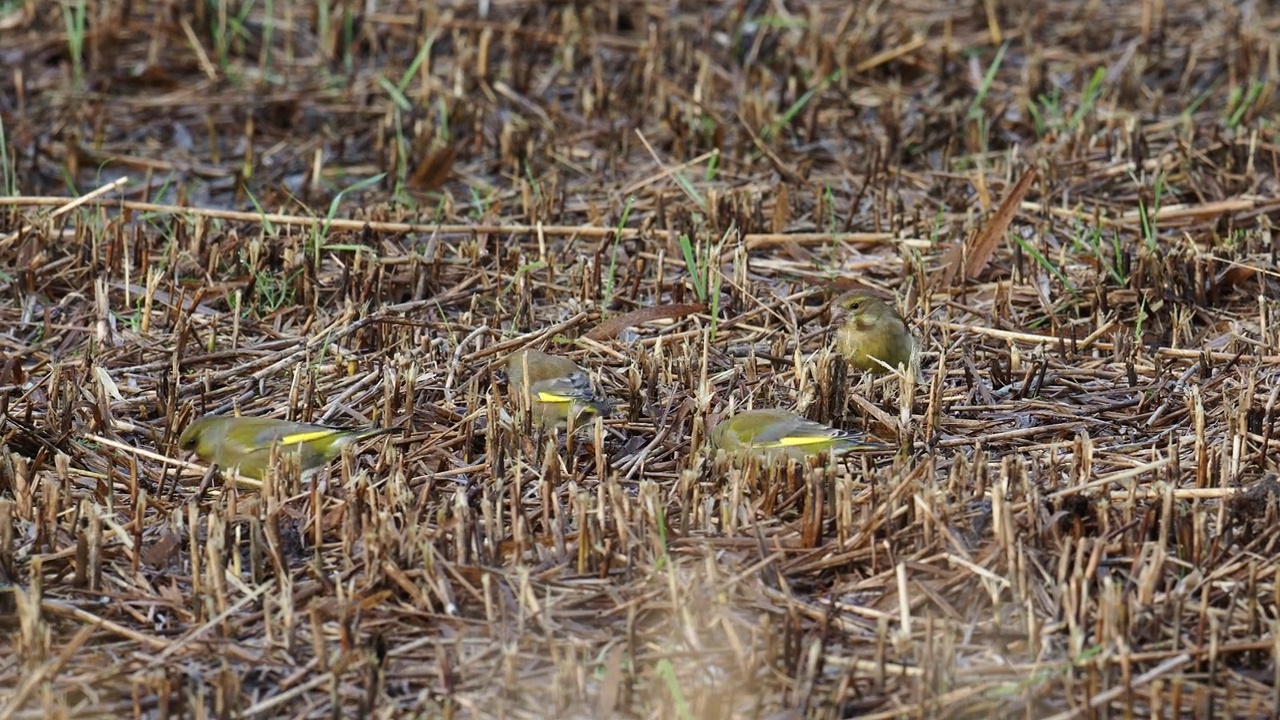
(797,441)
(305,437)
(545,396)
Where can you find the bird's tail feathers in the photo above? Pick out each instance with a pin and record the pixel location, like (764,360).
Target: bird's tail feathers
(375,432)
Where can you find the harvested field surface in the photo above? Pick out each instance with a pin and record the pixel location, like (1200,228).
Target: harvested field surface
(352,213)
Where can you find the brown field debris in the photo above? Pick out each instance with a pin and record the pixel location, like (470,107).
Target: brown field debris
(352,212)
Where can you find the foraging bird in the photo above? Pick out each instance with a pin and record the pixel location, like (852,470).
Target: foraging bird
(556,387)
(778,434)
(872,330)
(244,443)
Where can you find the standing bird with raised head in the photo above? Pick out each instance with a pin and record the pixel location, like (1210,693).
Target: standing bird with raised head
(871,332)
(779,434)
(244,444)
(556,388)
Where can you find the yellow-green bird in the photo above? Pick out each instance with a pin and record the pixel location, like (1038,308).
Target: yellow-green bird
(555,386)
(778,434)
(871,329)
(244,443)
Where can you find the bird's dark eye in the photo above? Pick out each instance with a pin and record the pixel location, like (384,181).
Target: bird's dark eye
(855,305)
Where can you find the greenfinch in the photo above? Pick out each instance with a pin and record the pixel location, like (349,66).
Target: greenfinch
(778,434)
(244,443)
(871,333)
(556,387)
